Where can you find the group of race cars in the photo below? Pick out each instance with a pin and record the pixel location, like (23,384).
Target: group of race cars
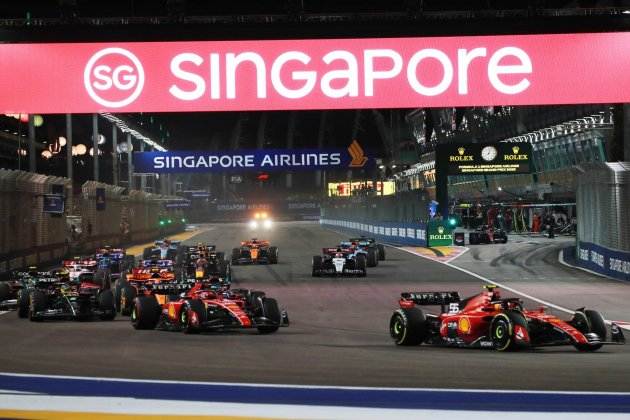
(349,258)
(173,287)
(188,288)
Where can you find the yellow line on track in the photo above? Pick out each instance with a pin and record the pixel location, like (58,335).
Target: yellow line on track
(184,236)
(72,415)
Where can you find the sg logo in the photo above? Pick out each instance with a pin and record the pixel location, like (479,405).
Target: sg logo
(113,77)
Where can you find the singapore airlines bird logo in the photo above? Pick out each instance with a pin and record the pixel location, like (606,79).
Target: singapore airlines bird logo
(358,156)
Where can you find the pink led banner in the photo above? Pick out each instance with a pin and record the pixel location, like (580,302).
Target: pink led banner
(315,74)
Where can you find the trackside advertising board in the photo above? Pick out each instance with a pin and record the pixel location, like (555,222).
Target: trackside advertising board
(315,74)
(252,160)
(487,159)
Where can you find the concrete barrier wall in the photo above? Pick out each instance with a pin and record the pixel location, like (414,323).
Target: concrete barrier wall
(28,236)
(408,234)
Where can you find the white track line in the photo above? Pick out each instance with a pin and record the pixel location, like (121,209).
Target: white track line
(502,286)
(291,386)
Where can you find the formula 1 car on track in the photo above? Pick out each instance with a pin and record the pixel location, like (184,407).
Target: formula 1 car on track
(14,292)
(339,262)
(143,280)
(361,248)
(488,321)
(260,220)
(113,261)
(164,250)
(487,235)
(79,266)
(209,306)
(56,297)
(204,261)
(370,243)
(255,251)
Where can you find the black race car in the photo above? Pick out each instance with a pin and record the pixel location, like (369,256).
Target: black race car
(485,234)
(58,298)
(339,262)
(204,261)
(370,243)
(164,250)
(14,292)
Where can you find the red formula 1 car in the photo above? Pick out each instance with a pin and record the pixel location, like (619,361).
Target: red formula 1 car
(209,306)
(143,280)
(488,321)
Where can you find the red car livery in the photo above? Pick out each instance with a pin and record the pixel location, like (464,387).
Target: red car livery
(488,321)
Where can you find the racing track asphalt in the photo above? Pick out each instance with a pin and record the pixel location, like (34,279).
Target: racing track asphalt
(338,336)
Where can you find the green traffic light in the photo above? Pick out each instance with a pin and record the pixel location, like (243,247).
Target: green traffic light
(170,221)
(452,222)
(183,220)
(161,222)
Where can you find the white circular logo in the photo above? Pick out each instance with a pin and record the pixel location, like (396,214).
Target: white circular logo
(113,77)
(488,153)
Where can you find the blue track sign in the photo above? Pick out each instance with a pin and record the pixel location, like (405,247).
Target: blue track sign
(252,160)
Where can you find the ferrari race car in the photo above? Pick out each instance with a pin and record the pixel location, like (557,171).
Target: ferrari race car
(339,262)
(256,251)
(370,243)
(151,275)
(57,297)
(209,306)
(164,250)
(204,261)
(487,235)
(488,321)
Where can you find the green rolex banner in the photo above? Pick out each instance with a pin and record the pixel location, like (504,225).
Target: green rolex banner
(439,234)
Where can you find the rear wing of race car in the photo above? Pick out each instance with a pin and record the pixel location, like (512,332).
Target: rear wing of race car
(170,288)
(333,251)
(431,298)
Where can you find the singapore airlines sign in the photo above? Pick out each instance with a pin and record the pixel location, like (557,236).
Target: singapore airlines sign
(315,74)
(259,159)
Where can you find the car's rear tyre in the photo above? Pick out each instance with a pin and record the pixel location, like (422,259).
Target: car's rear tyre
(37,303)
(272,312)
(23,303)
(381,252)
(145,313)
(106,305)
(125,294)
(586,322)
(372,258)
(361,265)
(236,254)
(273,255)
(408,327)
(507,331)
(193,314)
(473,239)
(317,266)
(146,253)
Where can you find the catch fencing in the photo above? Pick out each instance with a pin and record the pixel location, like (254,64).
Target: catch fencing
(402,207)
(30,236)
(603,228)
